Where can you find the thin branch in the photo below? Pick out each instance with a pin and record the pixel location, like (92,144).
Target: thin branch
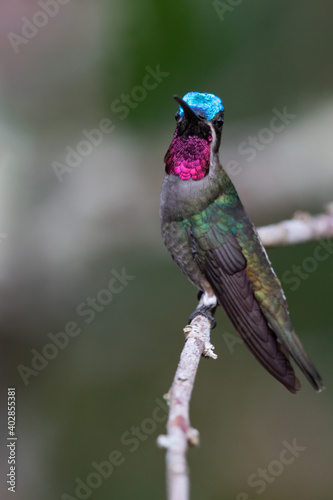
(180,434)
(303,227)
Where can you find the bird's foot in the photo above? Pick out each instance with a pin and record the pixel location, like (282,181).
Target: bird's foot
(204,311)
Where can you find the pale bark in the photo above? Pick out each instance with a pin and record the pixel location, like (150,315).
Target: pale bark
(180,434)
(303,227)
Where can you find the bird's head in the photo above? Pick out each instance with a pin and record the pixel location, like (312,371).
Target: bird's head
(198,133)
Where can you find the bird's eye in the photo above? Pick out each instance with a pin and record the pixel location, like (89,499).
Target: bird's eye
(177,116)
(219,122)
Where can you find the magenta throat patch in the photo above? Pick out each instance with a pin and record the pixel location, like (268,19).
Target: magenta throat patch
(188,157)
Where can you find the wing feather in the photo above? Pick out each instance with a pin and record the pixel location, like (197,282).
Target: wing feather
(225,269)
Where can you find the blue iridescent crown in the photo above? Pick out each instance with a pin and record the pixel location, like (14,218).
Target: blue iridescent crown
(207,104)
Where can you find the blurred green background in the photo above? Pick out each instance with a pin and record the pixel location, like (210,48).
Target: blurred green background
(60,240)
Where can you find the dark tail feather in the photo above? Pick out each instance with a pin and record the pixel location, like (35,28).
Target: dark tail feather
(247,318)
(272,356)
(296,350)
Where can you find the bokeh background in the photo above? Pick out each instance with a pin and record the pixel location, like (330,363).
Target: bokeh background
(61,240)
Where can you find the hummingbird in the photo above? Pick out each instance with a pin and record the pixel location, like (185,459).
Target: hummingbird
(209,235)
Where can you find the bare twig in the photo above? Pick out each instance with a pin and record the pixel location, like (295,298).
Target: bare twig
(180,433)
(303,227)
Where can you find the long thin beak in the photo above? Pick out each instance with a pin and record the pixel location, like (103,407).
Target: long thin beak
(189,113)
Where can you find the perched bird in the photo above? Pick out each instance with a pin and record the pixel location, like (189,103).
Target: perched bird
(209,235)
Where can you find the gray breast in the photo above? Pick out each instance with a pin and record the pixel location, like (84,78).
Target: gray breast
(180,199)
